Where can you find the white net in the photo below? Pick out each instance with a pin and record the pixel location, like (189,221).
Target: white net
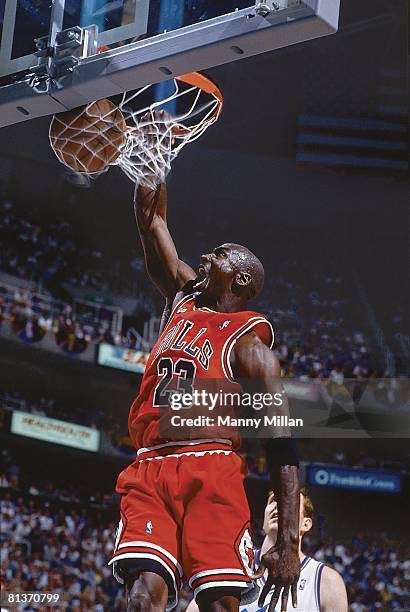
(91,142)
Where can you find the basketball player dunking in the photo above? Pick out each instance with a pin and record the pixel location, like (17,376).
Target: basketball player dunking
(184,512)
(320,588)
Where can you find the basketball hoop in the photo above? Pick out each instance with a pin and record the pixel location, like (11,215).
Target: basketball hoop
(153,143)
(153,138)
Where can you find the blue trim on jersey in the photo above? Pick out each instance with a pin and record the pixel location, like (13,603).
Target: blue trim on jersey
(319,575)
(264,609)
(257,557)
(305,562)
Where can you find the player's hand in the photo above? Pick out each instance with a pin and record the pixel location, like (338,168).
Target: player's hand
(283,566)
(155,133)
(156,126)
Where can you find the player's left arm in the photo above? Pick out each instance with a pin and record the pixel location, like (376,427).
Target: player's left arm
(258,370)
(333,596)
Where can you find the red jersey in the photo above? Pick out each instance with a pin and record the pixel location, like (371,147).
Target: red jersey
(195,345)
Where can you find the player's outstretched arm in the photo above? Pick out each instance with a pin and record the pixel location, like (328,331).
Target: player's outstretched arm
(164,267)
(333,597)
(258,370)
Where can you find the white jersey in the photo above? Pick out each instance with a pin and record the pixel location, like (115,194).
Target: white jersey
(308,589)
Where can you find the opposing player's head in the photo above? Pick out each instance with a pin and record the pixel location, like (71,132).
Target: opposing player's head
(230,268)
(270,522)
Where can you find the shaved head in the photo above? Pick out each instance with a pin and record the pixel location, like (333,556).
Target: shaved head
(246,262)
(229,276)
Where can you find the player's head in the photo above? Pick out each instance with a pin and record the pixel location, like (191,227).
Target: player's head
(230,268)
(270,522)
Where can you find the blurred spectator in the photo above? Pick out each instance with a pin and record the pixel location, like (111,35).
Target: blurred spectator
(4,483)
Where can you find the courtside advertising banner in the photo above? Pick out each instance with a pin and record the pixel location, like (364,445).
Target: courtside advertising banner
(363,480)
(56,431)
(121,358)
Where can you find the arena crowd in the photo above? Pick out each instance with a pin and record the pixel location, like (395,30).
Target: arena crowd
(55,540)
(50,252)
(307,347)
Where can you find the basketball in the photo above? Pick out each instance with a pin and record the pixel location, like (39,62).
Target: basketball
(89,138)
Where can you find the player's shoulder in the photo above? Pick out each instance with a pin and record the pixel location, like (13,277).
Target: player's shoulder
(333,596)
(330,578)
(326,574)
(252,354)
(311,564)
(251,314)
(254,327)
(172,304)
(258,324)
(186,291)
(185,295)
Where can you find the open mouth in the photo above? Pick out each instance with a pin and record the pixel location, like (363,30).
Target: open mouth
(201,278)
(273,517)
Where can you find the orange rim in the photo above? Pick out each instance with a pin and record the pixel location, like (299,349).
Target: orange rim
(202,82)
(103,48)
(196,79)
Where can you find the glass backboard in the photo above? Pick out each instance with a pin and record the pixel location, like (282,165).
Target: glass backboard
(133,43)
(118,21)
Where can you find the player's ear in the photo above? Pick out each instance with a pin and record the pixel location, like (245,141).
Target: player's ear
(307,524)
(243,279)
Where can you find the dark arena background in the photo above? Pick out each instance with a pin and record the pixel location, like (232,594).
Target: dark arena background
(307,166)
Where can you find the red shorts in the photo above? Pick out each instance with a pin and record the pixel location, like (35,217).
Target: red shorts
(184,515)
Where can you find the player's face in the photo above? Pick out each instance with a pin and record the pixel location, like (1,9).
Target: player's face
(217,270)
(270,523)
